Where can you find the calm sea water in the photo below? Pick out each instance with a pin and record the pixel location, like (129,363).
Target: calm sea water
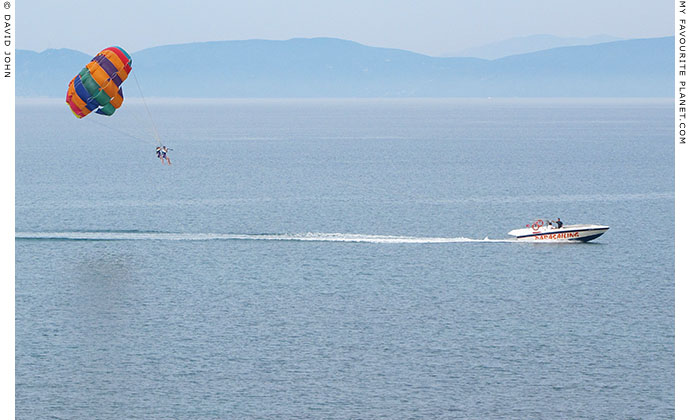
(326,259)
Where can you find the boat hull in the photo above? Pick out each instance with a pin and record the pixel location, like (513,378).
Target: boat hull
(572,233)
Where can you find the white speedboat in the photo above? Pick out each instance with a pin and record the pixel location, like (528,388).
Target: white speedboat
(538,232)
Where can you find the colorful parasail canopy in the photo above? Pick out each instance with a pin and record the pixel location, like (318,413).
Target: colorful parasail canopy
(97,86)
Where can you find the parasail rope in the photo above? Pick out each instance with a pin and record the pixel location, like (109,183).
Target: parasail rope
(147,108)
(116,129)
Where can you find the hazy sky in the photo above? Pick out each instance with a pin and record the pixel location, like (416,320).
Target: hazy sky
(431,26)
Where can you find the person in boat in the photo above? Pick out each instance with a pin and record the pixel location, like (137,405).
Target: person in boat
(559,224)
(549,224)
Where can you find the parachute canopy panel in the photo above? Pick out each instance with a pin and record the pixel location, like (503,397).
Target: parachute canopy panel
(97,86)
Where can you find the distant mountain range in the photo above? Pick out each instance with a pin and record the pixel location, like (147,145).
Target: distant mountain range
(527,44)
(328,67)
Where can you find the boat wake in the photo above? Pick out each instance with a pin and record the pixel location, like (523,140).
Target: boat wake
(309,237)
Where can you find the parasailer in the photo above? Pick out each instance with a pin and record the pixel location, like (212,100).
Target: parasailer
(163,154)
(98,88)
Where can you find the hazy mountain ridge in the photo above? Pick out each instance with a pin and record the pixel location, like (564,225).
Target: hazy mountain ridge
(527,44)
(328,67)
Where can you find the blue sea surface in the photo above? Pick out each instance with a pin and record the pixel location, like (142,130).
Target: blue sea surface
(344,259)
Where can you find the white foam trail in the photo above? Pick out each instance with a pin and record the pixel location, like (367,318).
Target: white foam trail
(312,237)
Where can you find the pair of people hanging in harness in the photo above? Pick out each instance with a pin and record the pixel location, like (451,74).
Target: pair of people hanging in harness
(162,153)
